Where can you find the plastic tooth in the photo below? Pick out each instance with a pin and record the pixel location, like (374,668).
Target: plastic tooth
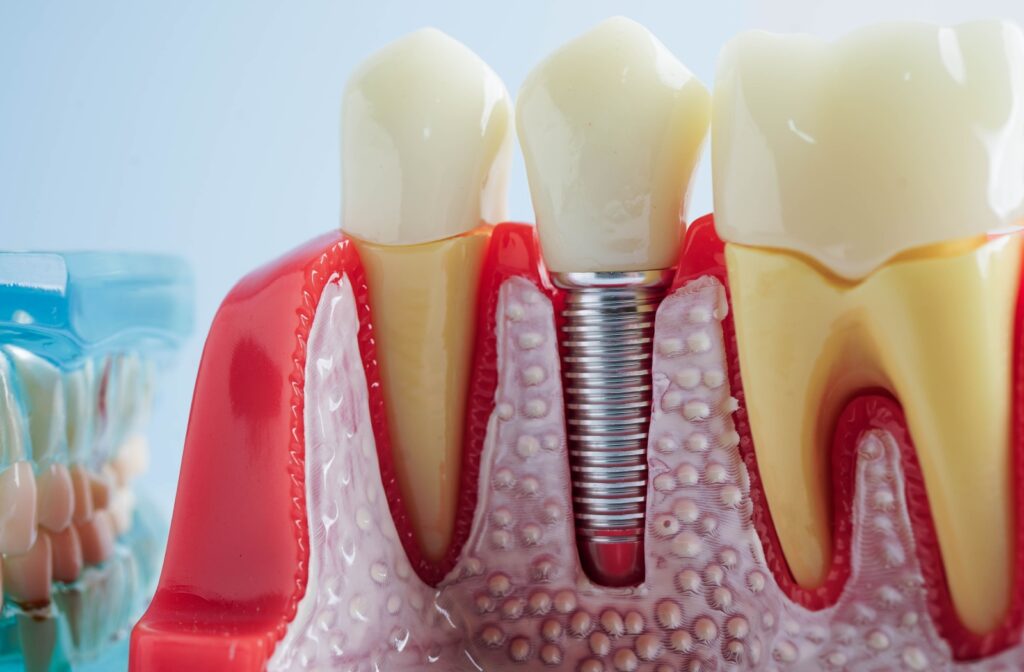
(29,575)
(18,514)
(56,497)
(13,432)
(82,489)
(43,386)
(97,538)
(80,406)
(67,555)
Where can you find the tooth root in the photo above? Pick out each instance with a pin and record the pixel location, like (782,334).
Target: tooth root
(937,332)
(28,576)
(424,303)
(39,639)
(17,508)
(56,497)
(426,144)
(67,554)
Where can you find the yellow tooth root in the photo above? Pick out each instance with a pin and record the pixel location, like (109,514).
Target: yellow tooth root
(423,300)
(935,330)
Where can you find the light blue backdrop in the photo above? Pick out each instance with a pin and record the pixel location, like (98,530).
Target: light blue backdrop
(209,128)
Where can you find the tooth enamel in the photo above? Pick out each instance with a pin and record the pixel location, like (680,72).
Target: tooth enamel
(911,136)
(425,141)
(896,137)
(56,497)
(425,151)
(609,156)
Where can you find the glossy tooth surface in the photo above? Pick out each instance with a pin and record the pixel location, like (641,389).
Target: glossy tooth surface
(425,139)
(56,496)
(17,508)
(847,159)
(611,127)
(425,151)
(896,137)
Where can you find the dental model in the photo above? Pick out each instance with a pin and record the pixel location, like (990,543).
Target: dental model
(80,336)
(611,126)
(833,370)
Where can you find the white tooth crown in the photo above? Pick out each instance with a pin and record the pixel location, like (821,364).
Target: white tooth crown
(421,119)
(895,137)
(611,127)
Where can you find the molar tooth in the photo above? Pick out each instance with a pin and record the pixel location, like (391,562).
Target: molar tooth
(881,161)
(425,151)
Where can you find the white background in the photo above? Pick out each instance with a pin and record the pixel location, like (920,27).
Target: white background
(209,129)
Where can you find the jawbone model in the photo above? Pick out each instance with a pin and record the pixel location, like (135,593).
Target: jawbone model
(829,427)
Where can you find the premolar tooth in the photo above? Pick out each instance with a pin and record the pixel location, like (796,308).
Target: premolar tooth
(883,158)
(425,140)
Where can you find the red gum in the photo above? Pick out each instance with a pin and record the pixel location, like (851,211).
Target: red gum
(237,557)
(704,254)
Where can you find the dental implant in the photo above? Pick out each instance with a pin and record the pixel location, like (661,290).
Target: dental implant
(611,127)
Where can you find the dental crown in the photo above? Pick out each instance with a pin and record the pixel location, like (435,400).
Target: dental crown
(611,127)
(421,119)
(895,137)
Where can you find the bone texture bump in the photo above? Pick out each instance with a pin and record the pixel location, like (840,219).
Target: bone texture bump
(517,599)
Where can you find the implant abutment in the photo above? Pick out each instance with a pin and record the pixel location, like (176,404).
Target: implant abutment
(606,340)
